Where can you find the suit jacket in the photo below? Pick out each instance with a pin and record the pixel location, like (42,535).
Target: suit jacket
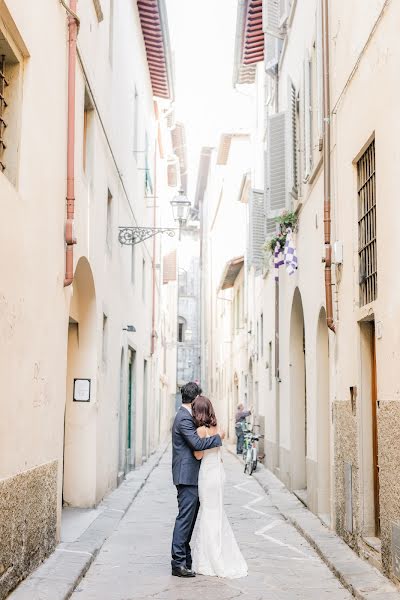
(185,440)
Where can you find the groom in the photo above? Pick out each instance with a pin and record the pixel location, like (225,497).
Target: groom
(185,472)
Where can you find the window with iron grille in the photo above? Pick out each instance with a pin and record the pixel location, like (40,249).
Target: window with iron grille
(367,225)
(10,105)
(3,106)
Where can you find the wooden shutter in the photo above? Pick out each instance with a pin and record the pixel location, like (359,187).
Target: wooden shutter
(320,99)
(272,43)
(256,228)
(276,176)
(307,120)
(291,142)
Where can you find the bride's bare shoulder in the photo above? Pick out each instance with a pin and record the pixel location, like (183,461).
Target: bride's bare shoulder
(202,431)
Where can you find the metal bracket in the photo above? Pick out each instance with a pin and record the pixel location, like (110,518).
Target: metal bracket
(128,236)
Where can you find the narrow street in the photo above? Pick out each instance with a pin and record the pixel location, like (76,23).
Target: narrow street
(134,563)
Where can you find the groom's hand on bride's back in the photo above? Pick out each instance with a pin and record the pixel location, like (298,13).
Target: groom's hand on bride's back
(221,434)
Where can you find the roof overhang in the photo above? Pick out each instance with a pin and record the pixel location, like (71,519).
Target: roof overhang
(154,22)
(231,271)
(249,47)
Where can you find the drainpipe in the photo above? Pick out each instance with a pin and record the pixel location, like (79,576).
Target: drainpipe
(73,24)
(327,168)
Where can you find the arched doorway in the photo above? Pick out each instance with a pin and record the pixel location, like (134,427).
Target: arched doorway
(323,419)
(79,474)
(298,402)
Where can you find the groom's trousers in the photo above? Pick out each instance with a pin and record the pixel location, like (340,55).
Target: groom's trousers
(188,505)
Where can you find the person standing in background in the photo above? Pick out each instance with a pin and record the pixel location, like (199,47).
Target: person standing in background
(240,419)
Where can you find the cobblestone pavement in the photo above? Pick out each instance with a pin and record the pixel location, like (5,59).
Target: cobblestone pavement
(134,563)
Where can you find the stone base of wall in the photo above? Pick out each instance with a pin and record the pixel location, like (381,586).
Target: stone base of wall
(389,476)
(28,522)
(346,451)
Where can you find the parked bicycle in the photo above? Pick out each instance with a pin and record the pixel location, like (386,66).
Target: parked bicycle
(250,451)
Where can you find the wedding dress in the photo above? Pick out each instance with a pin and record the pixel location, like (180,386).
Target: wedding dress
(216,551)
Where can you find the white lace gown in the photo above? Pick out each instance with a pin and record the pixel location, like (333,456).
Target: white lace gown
(216,551)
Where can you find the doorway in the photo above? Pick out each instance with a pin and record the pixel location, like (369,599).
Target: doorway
(323,421)
(298,398)
(80,419)
(130,445)
(369,430)
(144,434)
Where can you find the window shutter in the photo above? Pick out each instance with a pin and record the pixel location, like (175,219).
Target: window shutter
(256,229)
(285,6)
(307,120)
(320,100)
(291,141)
(272,43)
(275,177)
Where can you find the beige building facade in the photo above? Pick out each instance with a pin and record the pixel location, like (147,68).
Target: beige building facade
(327,400)
(86,396)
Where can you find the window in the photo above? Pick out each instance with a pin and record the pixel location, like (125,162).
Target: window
(270,366)
(3,106)
(237,316)
(133,255)
(183,279)
(144,279)
(148,186)
(87,143)
(181,329)
(293,141)
(367,225)
(10,102)
(262,334)
(135,123)
(109,222)
(105,339)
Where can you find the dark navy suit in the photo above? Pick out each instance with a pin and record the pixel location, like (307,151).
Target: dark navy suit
(185,472)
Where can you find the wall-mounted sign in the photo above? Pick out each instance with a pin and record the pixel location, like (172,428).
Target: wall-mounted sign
(81,390)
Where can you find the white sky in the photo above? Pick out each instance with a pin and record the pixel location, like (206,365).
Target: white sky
(202,34)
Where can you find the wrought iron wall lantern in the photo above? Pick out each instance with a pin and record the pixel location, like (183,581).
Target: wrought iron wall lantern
(129,236)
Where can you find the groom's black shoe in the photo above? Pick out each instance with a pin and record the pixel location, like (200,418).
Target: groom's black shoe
(183,572)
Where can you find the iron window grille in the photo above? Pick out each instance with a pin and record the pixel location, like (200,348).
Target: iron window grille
(3,106)
(366,186)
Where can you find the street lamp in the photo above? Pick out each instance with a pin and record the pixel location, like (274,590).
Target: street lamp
(180,208)
(129,236)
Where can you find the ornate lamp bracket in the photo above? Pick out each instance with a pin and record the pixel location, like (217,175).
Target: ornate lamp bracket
(128,236)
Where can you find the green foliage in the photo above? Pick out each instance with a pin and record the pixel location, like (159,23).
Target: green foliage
(288,220)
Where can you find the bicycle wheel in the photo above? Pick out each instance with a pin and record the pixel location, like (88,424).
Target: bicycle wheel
(253,466)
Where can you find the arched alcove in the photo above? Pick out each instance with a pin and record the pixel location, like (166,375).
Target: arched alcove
(79,475)
(298,401)
(323,418)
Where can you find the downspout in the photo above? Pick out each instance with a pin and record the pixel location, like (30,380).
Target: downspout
(73,25)
(327,167)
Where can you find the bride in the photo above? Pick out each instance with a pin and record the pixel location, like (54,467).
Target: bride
(216,551)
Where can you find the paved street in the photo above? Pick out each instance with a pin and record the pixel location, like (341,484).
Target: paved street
(134,563)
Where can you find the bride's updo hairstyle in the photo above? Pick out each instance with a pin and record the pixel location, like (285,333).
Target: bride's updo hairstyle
(203,412)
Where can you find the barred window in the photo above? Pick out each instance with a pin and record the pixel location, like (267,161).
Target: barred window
(10,105)
(3,106)
(367,225)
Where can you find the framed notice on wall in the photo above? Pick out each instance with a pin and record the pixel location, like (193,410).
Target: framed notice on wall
(81,390)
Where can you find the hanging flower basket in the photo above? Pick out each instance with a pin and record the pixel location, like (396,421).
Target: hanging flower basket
(287,221)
